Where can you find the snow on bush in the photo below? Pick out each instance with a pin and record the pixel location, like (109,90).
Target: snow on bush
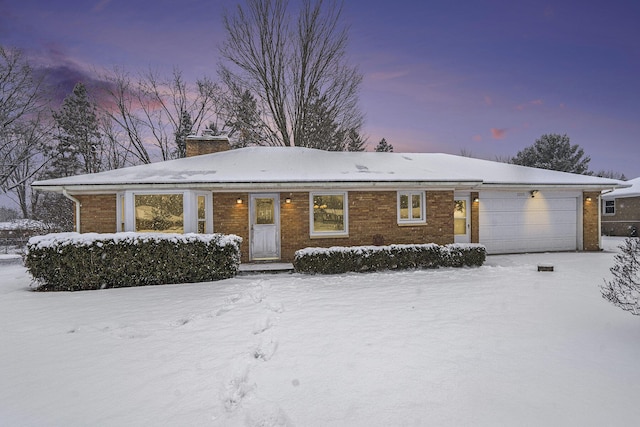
(73,261)
(624,290)
(338,259)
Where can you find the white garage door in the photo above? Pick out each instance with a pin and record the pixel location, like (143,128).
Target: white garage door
(513,222)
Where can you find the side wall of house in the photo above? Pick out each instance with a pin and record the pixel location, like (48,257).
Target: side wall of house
(372,219)
(590,216)
(627,214)
(97,213)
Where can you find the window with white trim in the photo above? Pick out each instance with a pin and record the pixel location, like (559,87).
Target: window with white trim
(120,211)
(609,207)
(159,213)
(165,211)
(329,214)
(411,207)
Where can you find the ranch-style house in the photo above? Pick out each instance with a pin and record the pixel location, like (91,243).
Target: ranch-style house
(281,199)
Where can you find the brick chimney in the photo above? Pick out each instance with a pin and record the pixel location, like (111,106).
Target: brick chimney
(206,143)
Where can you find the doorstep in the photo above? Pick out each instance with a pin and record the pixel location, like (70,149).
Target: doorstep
(265,267)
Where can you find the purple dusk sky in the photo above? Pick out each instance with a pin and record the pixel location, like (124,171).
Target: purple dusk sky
(486,76)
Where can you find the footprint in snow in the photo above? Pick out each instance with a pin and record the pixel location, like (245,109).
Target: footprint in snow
(266,414)
(275,307)
(236,389)
(262,325)
(229,304)
(265,350)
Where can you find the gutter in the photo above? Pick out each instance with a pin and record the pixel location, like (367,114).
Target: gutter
(77,205)
(262,186)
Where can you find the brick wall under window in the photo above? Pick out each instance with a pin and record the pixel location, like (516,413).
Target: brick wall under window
(97,213)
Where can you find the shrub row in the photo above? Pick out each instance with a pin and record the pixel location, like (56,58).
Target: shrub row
(336,260)
(73,262)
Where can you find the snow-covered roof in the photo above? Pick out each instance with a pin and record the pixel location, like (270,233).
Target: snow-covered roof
(632,191)
(297,167)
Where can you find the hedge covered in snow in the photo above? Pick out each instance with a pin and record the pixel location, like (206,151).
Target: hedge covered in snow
(336,260)
(74,262)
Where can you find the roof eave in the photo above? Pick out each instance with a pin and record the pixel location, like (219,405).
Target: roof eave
(257,186)
(549,186)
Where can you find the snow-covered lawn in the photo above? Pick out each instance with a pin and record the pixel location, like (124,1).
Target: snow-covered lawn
(502,344)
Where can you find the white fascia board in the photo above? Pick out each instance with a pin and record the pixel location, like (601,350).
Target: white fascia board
(527,186)
(262,186)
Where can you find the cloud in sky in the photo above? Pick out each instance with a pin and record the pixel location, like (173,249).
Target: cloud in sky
(535,102)
(498,133)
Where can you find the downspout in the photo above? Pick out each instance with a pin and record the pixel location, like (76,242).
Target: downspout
(600,222)
(77,204)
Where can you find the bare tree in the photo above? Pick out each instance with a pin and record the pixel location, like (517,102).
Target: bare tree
(289,64)
(149,113)
(30,158)
(126,127)
(113,155)
(624,289)
(22,100)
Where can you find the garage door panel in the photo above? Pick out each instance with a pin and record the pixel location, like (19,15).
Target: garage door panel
(515,222)
(501,218)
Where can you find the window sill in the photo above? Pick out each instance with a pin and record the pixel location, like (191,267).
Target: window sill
(412,224)
(329,236)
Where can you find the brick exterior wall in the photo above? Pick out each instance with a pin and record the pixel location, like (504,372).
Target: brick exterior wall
(591,235)
(232,218)
(196,146)
(627,214)
(370,214)
(475,218)
(97,213)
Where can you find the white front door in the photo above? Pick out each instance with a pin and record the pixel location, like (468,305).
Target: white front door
(264,239)
(461,220)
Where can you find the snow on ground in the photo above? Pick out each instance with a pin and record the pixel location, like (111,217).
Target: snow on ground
(502,344)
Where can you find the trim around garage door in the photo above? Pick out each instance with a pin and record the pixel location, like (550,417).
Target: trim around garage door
(516,222)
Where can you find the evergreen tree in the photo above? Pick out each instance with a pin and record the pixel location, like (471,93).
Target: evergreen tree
(245,125)
(384,146)
(355,142)
(185,128)
(554,152)
(320,129)
(611,174)
(78,147)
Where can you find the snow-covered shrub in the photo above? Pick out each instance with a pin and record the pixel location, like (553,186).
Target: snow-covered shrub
(462,254)
(337,259)
(72,261)
(624,290)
